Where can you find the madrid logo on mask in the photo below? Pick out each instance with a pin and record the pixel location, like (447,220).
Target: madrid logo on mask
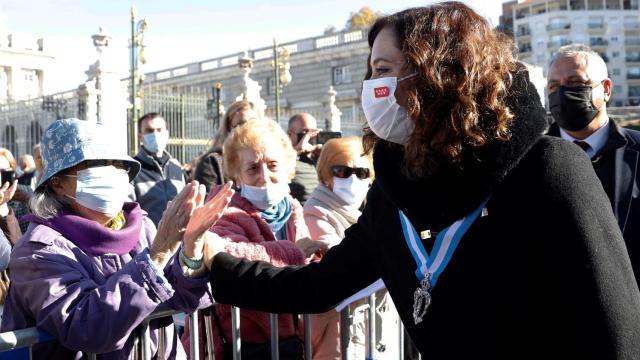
(380,92)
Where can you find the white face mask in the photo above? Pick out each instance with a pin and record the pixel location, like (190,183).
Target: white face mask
(387,119)
(103,189)
(352,190)
(265,197)
(156,141)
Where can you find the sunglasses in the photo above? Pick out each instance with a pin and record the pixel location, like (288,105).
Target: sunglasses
(344,172)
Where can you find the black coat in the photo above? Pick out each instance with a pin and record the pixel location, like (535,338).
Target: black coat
(544,275)
(209,170)
(305,179)
(616,166)
(157,183)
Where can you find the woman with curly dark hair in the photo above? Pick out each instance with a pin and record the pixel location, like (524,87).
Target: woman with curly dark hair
(493,240)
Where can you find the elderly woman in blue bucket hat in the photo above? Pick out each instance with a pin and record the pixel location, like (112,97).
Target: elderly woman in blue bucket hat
(92,266)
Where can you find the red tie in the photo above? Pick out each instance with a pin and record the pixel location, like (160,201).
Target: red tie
(583,145)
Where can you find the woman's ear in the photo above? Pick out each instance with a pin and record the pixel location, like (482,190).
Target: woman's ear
(56,185)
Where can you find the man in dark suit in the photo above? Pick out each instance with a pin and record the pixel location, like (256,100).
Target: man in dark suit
(579,89)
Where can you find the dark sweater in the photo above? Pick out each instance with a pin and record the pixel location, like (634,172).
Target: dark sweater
(157,183)
(209,170)
(305,180)
(545,275)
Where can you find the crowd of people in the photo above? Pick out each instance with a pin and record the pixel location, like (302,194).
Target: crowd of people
(532,240)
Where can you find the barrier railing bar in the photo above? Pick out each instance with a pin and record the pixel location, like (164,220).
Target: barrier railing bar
(142,346)
(161,343)
(144,335)
(161,311)
(235,333)
(345,336)
(400,340)
(306,318)
(208,326)
(273,320)
(24,337)
(371,329)
(193,339)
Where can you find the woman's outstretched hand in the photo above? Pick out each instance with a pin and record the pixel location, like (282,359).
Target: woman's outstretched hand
(310,247)
(204,216)
(214,244)
(173,225)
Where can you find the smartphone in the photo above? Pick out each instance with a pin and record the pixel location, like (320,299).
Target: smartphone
(300,136)
(7,176)
(324,136)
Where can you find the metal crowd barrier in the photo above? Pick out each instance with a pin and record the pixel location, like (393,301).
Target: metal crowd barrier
(27,338)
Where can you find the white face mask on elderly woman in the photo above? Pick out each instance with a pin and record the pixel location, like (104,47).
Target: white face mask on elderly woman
(352,190)
(387,119)
(103,189)
(265,197)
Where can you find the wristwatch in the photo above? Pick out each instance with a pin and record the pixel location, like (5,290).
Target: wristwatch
(191,263)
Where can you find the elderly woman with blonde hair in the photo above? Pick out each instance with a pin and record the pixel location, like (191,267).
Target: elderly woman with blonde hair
(262,222)
(209,170)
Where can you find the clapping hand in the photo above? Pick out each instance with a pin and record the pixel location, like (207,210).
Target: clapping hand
(204,216)
(173,225)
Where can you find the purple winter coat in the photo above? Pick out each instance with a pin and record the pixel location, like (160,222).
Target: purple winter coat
(92,303)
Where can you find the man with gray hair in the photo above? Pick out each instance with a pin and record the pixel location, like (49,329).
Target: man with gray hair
(579,89)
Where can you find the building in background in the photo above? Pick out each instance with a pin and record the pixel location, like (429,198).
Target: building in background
(610,27)
(23,66)
(506,19)
(317,63)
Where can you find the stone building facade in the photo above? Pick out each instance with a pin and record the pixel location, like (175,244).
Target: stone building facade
(23,65)
(317,63)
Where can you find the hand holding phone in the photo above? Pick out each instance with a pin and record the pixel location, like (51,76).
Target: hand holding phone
(324,136)
(7,176)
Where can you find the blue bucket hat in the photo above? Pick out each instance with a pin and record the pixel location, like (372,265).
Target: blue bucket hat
(68,142)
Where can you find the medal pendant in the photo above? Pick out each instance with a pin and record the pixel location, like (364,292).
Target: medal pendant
(422,299)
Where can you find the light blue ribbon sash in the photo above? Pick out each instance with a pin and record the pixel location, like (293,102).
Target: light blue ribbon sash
(445,244)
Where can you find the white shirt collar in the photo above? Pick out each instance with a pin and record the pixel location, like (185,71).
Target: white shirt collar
(596,141)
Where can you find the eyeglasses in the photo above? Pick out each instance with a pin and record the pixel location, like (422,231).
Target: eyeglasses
(344,172)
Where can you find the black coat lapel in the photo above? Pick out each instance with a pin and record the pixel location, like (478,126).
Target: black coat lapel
(626,166)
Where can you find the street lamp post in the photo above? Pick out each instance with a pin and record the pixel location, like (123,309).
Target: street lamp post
(214,105)
(281,75)
(137,41)
(218,88)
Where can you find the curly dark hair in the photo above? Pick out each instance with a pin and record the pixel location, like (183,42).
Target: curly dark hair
(464,69)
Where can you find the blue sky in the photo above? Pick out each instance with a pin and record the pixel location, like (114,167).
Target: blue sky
(181,31)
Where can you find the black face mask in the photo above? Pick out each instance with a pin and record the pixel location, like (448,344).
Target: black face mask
(572,107)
